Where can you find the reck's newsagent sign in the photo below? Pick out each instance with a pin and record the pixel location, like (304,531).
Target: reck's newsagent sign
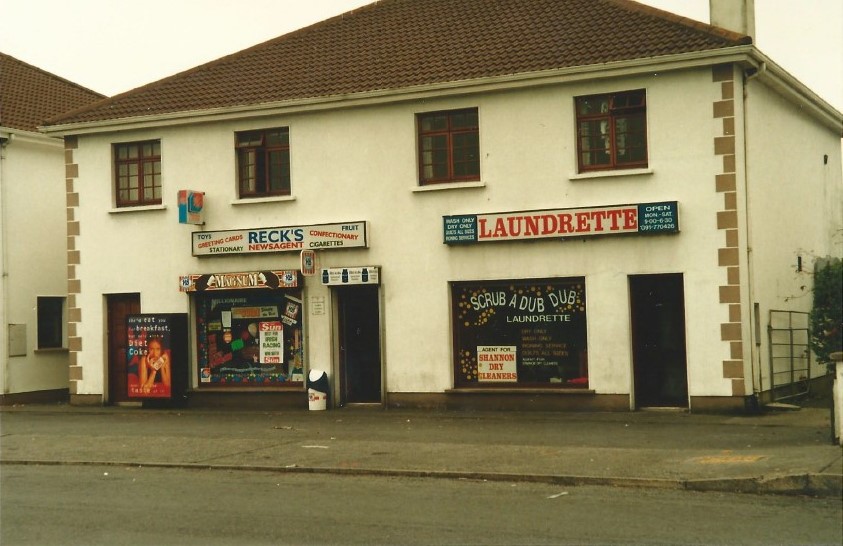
(279,239)
(644,218)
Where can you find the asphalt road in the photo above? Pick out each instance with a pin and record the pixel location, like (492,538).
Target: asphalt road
(122,505)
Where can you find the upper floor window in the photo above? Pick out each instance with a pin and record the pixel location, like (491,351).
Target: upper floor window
(449,146)
(51,321)
(612,131)
(263,162)
(138,173)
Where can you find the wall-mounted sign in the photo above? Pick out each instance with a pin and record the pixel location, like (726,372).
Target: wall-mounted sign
(308,262)
(191,207)
(334,276)
(238,281)
(580,222)
(279,239)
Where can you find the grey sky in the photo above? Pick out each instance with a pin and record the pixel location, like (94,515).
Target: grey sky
(111,46)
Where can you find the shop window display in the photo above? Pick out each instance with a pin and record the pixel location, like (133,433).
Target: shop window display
(250,338)
(524,333)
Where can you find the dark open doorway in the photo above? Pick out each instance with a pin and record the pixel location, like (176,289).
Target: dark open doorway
(359,339)
(657,305)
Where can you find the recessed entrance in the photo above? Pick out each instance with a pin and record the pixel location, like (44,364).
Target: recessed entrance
(359,345)
(657,304)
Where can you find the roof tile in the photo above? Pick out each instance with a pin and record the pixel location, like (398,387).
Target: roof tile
(29,95)
(393,44)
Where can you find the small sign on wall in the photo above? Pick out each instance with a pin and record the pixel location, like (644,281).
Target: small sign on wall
(308,262)
(191,207)
(334,276)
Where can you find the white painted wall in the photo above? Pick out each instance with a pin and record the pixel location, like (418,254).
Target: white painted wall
(795,207)
(35,254)
(360,164)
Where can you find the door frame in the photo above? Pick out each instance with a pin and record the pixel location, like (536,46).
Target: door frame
(671,372)
(340,387)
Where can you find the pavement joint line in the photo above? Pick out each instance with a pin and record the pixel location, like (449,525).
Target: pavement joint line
(829,486)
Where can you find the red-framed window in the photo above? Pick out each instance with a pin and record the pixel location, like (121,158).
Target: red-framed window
(449,146)
(137,167)
(612,131)
(263,162)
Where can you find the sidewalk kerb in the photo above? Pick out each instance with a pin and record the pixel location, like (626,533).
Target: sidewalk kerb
(814,485)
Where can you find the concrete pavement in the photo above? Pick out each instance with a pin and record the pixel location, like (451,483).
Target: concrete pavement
(780,452)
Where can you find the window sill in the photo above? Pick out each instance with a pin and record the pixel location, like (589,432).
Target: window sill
(449,186)
(144,208)
(253,200)
(52,350)
(609,174)
(514,390)
(290,387)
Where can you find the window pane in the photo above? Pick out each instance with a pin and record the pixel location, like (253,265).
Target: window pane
(598,104)
(464,120)
(279,180)
(277,138)
(133,151)
(50,322)
(437,122)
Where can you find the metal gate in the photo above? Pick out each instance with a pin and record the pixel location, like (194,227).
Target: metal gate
(790,354)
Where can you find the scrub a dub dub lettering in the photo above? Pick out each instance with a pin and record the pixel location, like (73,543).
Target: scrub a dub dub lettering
(523,302)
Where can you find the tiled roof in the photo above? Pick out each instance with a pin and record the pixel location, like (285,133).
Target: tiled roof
(395,44)
(29,95)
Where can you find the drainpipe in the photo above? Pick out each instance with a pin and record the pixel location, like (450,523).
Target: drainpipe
(755,320)
(5,140)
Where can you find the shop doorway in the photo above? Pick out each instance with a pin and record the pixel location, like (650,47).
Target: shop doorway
(119,306)
(660,372)
(359,345)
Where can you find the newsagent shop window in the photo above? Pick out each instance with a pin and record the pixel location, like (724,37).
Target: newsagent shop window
(137,173)
(612,131)
(520,333)
(263,162)
(449,146)
(250,338)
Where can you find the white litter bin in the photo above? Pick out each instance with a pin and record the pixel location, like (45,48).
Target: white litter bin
(317,390)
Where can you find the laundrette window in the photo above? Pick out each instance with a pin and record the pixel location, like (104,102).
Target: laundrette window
(520,333)
(250,338)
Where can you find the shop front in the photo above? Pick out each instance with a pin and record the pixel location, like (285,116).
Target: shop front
(524,342)
(248,330)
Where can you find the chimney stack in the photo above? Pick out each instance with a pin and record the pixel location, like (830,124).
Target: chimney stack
(735,15)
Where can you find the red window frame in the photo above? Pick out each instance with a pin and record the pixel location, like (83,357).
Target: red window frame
(137,173)
(612,131)
(263,162)
(448,146)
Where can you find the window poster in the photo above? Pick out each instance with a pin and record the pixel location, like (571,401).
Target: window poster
(250,338)
(149,356)
(529,333)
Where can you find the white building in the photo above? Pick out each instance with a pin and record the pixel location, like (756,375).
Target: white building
(33,219)
(531,204)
